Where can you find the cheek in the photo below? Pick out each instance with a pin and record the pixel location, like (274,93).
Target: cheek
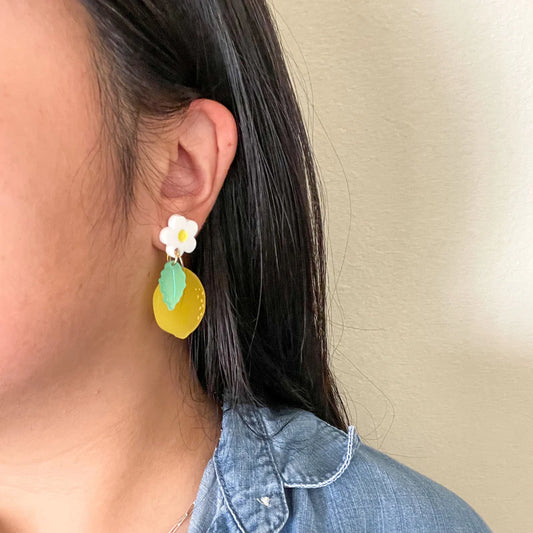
(53,237)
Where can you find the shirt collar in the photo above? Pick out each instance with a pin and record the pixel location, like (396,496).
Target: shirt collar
(300,450)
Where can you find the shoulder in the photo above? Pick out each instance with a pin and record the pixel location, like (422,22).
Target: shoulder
(286,470)
(335,482)
(387,495)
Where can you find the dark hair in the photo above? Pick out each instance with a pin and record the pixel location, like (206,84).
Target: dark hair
(260,254)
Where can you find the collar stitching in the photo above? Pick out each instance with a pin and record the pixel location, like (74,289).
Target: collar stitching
(222,483)
(352,436)
(285,508)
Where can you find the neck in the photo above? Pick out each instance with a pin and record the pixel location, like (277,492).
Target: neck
(115,444)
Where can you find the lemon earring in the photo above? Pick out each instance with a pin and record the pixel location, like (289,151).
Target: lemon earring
(179,298)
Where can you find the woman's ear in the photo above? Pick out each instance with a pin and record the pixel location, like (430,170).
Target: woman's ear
(203,149)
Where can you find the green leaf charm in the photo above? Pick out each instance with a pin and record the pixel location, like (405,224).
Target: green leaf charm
(172,283)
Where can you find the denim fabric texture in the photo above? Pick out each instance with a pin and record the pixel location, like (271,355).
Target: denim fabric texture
(308,476)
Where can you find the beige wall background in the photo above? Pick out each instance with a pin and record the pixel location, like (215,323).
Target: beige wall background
(422,120)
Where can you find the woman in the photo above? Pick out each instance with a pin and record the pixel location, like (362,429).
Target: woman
(147,145)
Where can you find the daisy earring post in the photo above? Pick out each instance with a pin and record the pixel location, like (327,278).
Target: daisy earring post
(179,298)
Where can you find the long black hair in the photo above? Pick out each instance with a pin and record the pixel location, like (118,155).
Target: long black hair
(260,254)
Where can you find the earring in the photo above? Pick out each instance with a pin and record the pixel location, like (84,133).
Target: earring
(179,298)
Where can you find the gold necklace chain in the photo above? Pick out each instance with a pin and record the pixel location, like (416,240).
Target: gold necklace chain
(183,518)
(189,510)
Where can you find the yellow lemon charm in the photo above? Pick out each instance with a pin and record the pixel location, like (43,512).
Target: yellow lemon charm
(187,313)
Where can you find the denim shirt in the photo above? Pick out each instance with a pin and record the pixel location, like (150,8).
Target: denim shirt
(309,476)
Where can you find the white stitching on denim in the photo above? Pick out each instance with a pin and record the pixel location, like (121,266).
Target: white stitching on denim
(340,470)
(285,508)
(226,500)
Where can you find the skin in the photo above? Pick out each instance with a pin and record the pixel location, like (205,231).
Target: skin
(102,427)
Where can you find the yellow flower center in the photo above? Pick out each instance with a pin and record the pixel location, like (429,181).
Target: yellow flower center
(182,235)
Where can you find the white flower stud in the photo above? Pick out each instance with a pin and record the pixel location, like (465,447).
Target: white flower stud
(179,234)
